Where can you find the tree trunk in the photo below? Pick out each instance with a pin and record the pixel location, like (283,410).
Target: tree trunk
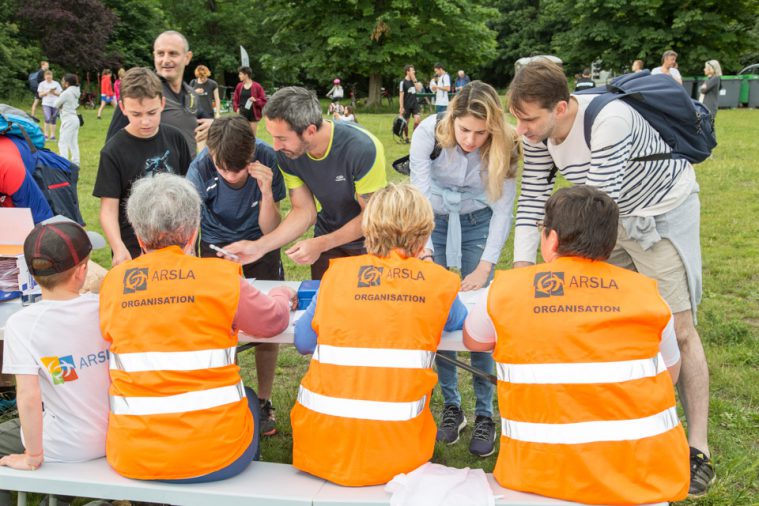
(375,84)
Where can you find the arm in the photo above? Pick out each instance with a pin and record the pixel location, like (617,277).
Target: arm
(535,191)
(268,209)
(305,335)
(400,100)
(710,85)
(216,103)
(670,351)
(236,97)
(263,315)
(479,331)
(60,100)
(306,252)
(445,79)
(498,232)
(29,401)
(109,220)
(298,220)
(422,144)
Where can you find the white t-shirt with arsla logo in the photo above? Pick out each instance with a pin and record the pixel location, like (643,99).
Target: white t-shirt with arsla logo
(61,341)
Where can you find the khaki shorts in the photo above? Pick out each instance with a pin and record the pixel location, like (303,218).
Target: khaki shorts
(660,262)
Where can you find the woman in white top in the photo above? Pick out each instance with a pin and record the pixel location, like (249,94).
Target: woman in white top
(469,176)
(67,103)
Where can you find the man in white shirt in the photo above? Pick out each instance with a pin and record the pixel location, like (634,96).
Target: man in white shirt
(658,203)
(441,85)
(668,62)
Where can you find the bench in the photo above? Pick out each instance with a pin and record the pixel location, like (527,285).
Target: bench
(262,483)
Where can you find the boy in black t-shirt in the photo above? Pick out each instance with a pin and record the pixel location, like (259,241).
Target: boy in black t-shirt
(140,149)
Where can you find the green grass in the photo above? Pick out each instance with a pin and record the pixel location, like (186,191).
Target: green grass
(728,316)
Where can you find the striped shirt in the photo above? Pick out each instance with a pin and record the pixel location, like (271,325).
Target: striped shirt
(619,135)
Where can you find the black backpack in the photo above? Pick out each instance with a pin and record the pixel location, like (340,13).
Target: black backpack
(402,164)
(400,130)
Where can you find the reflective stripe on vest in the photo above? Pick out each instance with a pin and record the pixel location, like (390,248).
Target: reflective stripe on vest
(180,403)
(591,432)
(172,361)
(581,373)
(365,410)
(373,357)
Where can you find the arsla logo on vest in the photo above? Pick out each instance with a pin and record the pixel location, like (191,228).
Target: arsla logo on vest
(136,280)
(548,284)
(369,275)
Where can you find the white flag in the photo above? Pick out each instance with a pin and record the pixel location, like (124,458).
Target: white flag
(244,59)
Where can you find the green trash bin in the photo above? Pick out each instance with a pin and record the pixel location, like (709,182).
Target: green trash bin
(746,85)
(729,92)
(752,83)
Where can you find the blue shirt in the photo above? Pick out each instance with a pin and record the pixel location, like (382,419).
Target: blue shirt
(305,336)
(231,214)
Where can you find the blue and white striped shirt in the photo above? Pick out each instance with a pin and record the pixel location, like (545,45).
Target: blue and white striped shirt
(618,136)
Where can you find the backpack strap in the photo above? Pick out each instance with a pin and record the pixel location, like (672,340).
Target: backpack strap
(438,148)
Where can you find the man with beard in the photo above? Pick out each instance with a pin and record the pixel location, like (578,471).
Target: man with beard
(338,163)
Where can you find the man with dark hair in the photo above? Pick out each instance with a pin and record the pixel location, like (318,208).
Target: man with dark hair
(171,54)
(338,163)
(35,82)
(586,357)
(240,195)
(658,232)
(408,99)
(585,81)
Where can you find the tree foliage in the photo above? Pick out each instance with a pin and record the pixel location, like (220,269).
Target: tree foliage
(619,31)
(72,33)
(137,24)
(18,56)
(322,39)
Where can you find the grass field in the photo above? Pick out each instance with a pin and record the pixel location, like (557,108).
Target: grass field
(728,316)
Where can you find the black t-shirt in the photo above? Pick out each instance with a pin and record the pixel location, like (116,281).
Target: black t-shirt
(410,101)
(125,158)
(181,112)
(204,92)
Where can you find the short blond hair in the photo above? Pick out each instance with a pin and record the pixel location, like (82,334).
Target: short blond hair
(397,217)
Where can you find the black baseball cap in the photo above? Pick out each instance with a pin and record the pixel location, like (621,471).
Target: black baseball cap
(58,244)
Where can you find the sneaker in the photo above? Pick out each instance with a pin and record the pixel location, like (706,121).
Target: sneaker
(701,473)
(268,420)
(451,425)
(483,437)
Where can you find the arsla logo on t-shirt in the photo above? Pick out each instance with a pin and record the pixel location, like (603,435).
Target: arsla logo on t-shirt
(548,284)
(369,275)
(136,280)
(62,369)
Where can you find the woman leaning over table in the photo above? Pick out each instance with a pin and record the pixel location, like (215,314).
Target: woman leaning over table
(470,181)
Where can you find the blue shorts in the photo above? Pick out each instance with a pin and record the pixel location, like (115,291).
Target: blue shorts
(106,98)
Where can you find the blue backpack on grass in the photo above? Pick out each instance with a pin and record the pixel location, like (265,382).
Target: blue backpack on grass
(683,123)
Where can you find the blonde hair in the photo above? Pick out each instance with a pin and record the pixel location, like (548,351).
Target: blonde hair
(397,217)
(714,64)
(501,152)
(201,71)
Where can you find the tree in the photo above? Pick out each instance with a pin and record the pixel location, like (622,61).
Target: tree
(216,29)
(524,29)
(138,22)
(321,39)
(72,33)
(17,57)
(619,31)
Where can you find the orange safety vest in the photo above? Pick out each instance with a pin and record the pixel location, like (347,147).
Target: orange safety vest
(587,406)
(362,414)
(178,409)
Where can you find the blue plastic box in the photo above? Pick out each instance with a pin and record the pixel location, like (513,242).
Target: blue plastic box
(306,292)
